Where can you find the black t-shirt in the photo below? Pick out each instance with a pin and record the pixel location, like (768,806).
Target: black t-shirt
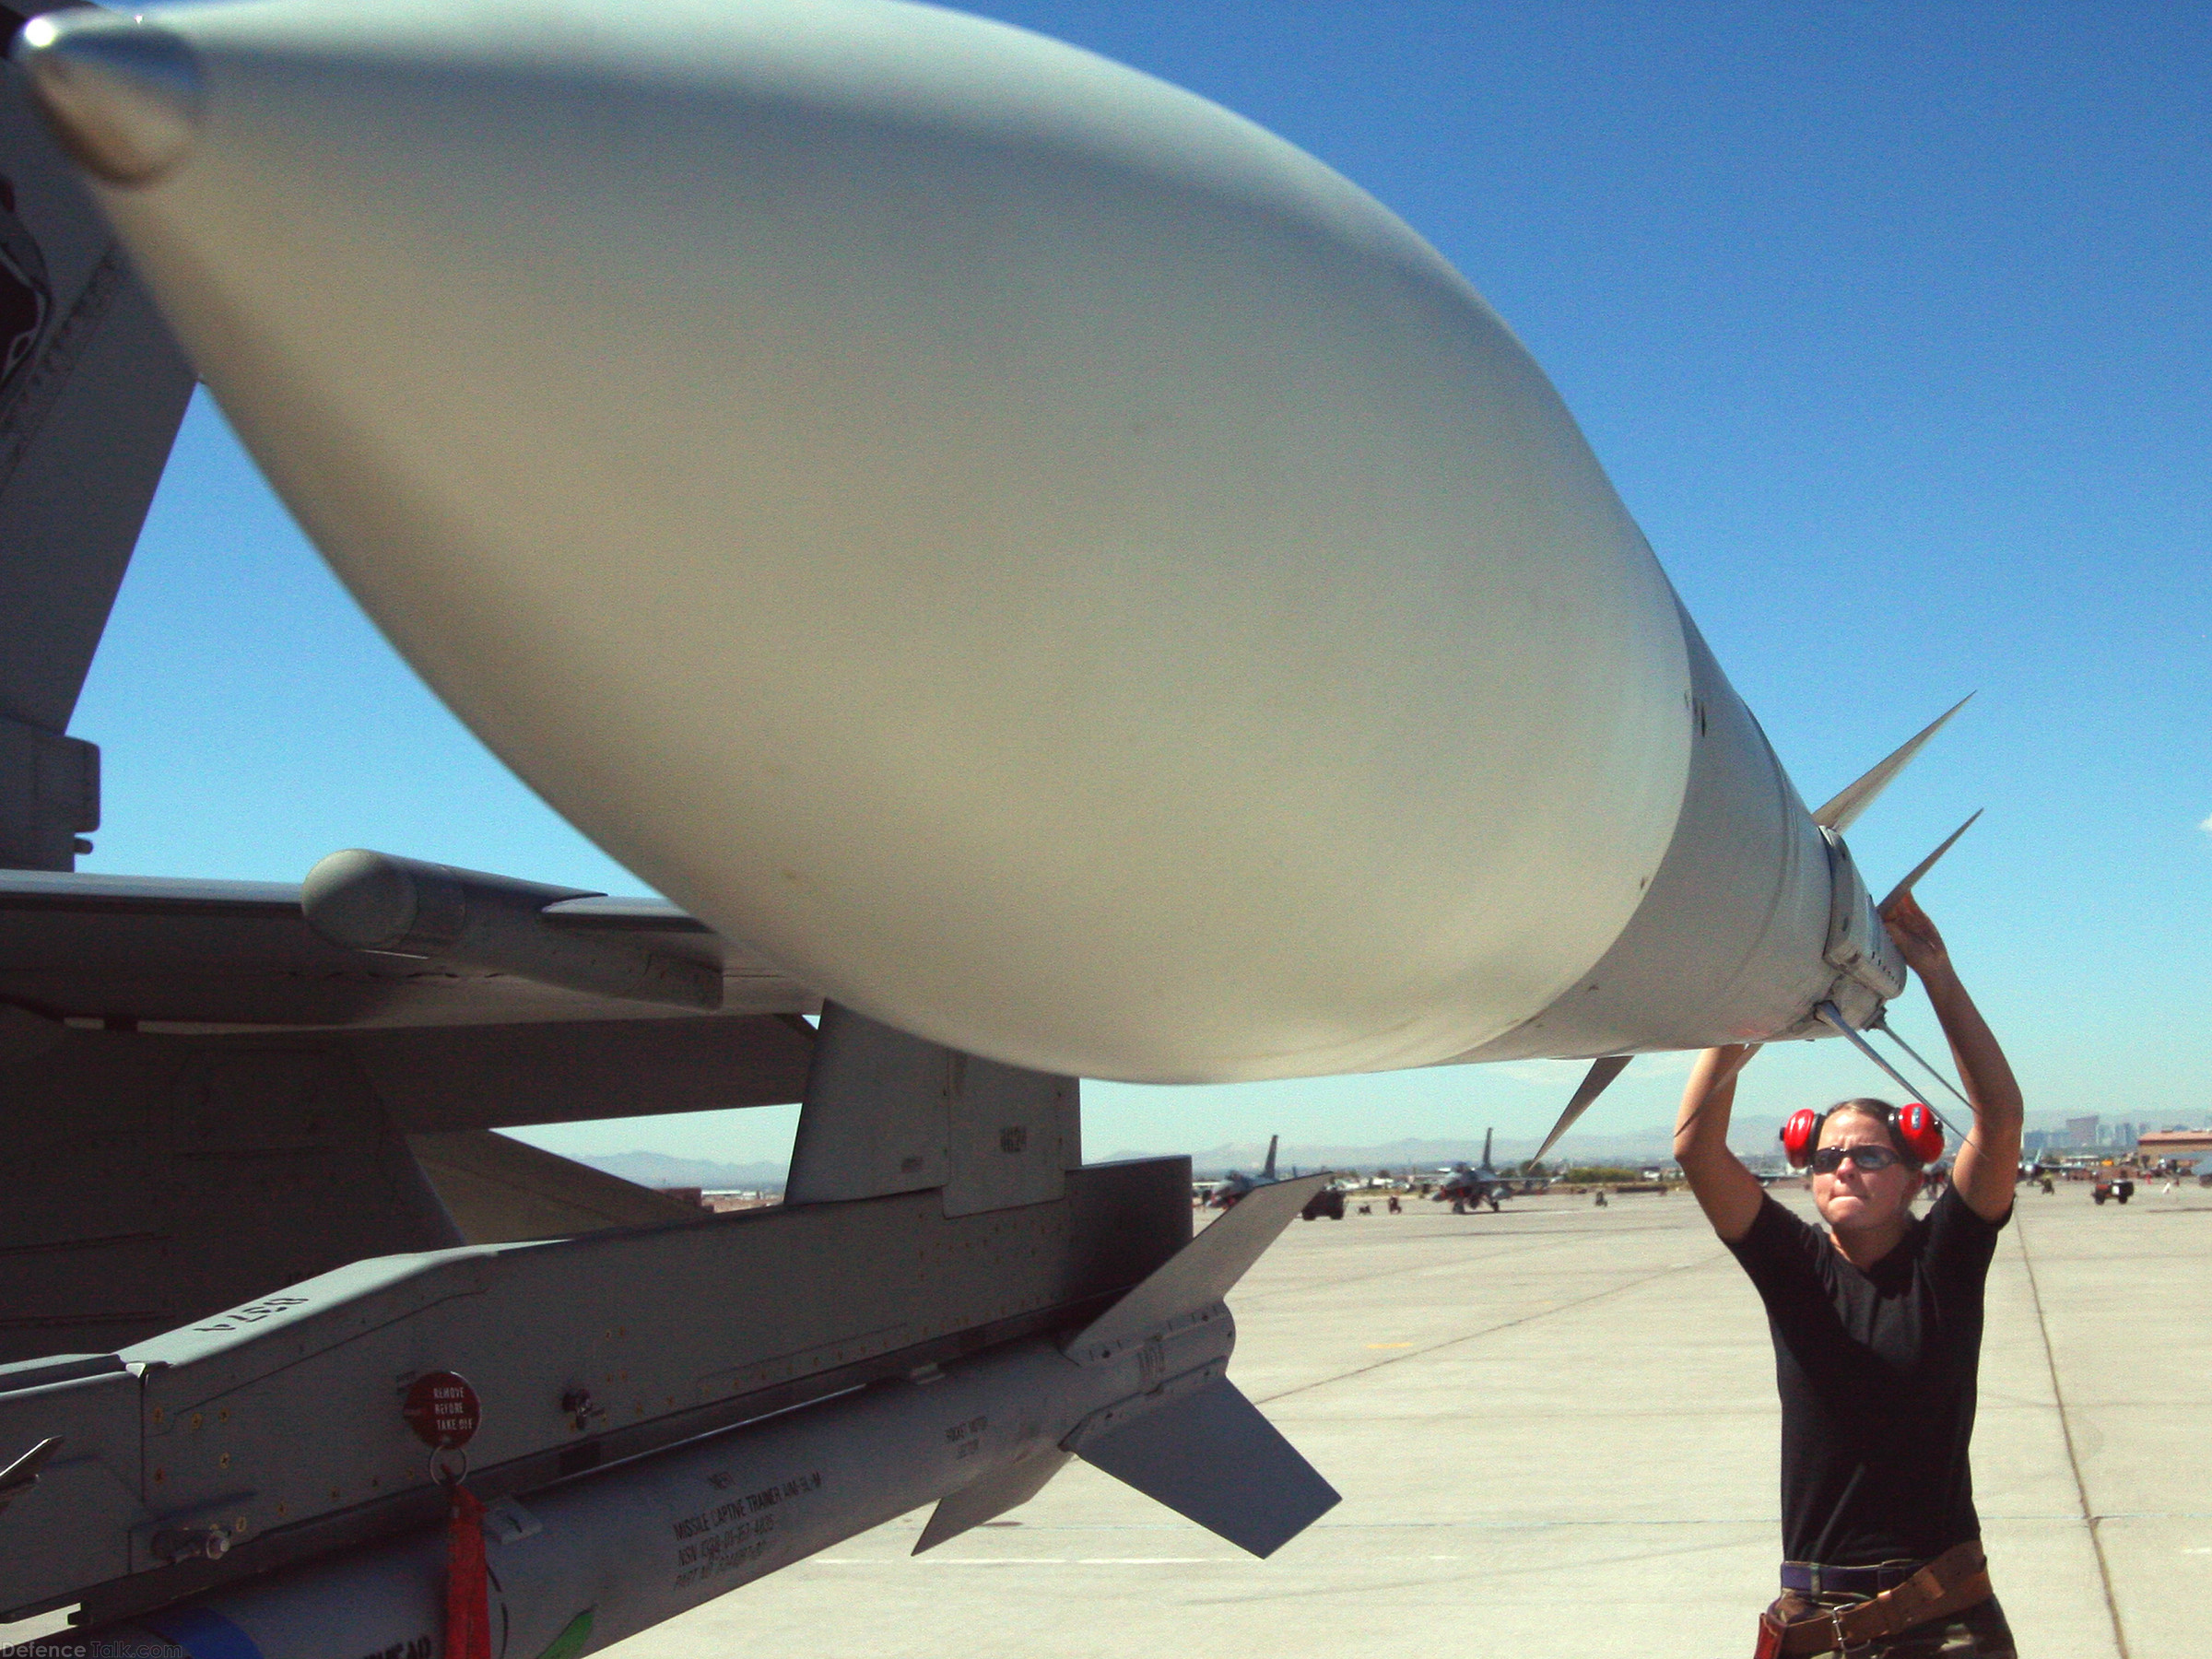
(1877,1373)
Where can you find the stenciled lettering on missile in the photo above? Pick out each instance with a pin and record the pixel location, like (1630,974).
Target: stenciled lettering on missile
(690,1526)
(966,1438)
(442,1408)
(253,1314)
(414,1647)
(731,1536)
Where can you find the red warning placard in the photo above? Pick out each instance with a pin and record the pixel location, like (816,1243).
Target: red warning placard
(442,1408)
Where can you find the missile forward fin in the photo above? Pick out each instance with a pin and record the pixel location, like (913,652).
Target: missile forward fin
(1883,1025)
(1829,1012)
(1189,1287)
(1842,812)
(1596,1081)
(988,1499)
(1927,864)
(1212,1458)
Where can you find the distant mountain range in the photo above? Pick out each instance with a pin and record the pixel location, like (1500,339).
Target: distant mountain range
(659,1169)
(1651,1144)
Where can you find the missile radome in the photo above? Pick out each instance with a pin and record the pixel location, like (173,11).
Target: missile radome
(1052,564)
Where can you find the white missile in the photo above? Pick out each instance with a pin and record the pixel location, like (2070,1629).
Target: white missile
(1053,566)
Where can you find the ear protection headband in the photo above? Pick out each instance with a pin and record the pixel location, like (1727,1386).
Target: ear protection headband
(1912,1125)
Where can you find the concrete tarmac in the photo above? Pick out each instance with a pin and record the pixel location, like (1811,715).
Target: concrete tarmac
(1555,1432)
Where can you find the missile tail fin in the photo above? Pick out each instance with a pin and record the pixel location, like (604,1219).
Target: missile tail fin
(1594,1082)
(987,1499)
(1204,1450)
(1842,812)
(1212,1458)
(1198,1276)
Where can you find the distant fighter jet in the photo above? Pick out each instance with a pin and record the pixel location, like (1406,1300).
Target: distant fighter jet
(1328,1201)
(1236,1183)
(1048,579)
(1470,1189)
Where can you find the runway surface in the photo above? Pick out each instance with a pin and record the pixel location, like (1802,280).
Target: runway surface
(1555,1432)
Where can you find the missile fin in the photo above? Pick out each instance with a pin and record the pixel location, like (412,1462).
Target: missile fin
(1212,1458)
(1196,1278)
(22,1473)
(1596,1081)
(1882,1024)
(1842,812)
(1829,1012)
(1927,864)
(990,1498)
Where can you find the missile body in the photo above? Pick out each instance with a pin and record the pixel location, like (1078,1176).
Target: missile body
(606,1555)
(1050,565)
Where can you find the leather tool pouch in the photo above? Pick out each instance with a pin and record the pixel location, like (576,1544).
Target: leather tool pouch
(1956,1579)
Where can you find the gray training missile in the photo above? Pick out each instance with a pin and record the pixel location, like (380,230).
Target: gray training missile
(1140,1393)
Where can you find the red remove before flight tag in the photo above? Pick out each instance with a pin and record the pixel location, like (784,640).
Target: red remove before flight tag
(442,1408)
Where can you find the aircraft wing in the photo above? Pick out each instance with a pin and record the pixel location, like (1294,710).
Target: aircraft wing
(201,956)
(448,1046)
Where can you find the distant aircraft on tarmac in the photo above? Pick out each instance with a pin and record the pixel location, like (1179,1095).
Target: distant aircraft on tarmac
(1236,1183)
(1327,1201)
(1047,579)
(1467,1188)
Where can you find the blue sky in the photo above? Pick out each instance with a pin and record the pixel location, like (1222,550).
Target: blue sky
(1889,322)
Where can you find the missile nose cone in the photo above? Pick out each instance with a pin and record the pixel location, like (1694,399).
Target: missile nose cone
(122,95)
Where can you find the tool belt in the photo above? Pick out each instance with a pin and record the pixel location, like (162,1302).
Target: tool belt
(1954,1581)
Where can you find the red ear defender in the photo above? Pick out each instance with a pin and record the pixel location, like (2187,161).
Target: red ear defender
(1800,1134)
(1917,1128)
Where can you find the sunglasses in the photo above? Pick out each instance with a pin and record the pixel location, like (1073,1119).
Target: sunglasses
(1828,1160)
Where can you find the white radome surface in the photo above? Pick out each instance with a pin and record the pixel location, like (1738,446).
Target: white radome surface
(1048,563)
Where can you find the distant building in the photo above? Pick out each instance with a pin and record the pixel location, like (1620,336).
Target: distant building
(2035,1140)
(2182,1144)
(2082,1131)
(2124,1135)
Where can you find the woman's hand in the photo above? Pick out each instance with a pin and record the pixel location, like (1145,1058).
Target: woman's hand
(1916,937)
(1987,1164)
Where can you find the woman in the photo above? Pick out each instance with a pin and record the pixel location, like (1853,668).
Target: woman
(1877,1337)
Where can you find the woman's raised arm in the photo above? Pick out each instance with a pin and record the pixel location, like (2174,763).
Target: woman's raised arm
(1728,1193)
